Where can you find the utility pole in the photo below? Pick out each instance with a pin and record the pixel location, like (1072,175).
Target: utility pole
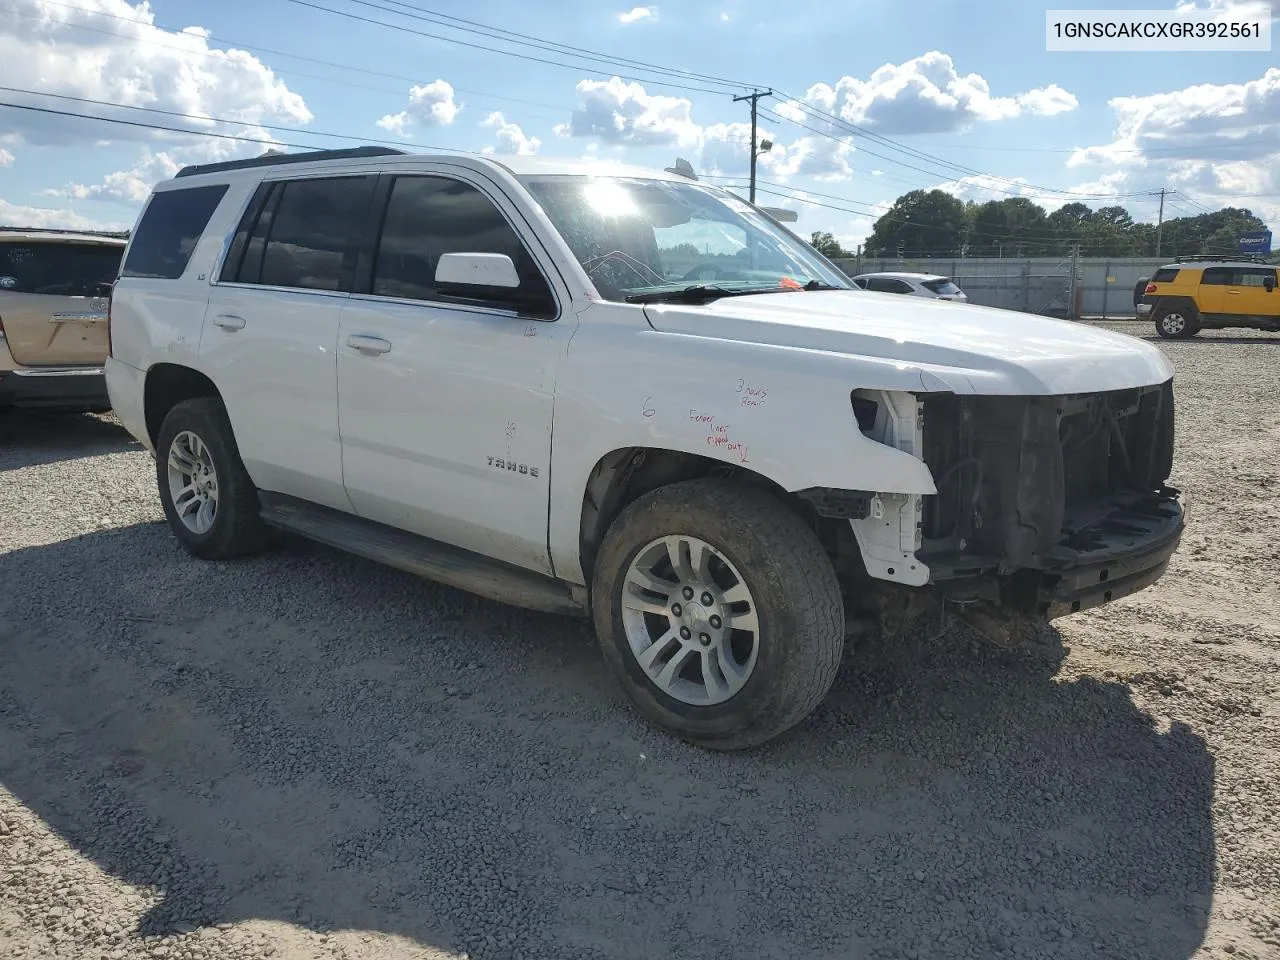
(1160,219)
(1075,268)
(754,97)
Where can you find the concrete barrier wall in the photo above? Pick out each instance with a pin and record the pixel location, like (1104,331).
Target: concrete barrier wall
(1104,286)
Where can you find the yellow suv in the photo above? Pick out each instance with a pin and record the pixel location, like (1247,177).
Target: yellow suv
(54,290)
(1185,298)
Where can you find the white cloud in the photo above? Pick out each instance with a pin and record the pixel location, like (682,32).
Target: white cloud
(1227,121)
(1233,8)
(724,17)
(511,139)
(6,157)
(430,105)
(725,149)
(130,62)
(925,95)
(618,112)
(133,185)
(638,15)
(1047,101)
(1215,142)
(819,157)
(17,215)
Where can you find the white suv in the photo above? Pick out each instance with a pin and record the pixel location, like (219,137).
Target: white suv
(500,375)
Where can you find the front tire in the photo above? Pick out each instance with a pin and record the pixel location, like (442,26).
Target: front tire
(208,498)
(719,612)
(1176,322)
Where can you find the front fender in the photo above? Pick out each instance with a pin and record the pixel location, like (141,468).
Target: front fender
(783,413)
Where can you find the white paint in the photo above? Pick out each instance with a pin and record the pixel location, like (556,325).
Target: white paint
(406,436)
(480,269)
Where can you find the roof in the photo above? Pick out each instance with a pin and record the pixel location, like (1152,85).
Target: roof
(381,156)
(1206,264)
(57,236)
(903,275)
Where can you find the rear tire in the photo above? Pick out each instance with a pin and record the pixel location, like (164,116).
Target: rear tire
(719,612)
(1176,322)
(208,498)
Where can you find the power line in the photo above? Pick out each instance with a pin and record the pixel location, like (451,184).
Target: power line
(267,50)
(434,16)
(937,176)
(243,123)
(479,46)
(853,128)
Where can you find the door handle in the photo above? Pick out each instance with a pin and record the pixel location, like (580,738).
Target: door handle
(1233,293)
(228,322)
(368,345)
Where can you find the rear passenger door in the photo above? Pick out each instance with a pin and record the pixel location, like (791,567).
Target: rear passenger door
(445,401)
(271,330)
(1248,295)
(1212,297)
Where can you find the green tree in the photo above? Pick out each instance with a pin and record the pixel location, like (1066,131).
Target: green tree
(828,245)
(1013,227)
(922,223)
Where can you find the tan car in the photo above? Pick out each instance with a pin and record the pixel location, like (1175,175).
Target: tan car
(53,313)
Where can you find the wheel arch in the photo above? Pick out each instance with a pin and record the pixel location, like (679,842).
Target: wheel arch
(167,385)
(627,473)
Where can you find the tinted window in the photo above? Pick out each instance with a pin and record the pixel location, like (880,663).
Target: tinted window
(944,288)
(169,231)
(1165,275)
(312,236)
(1217,276)
(60,269)
(430,216)
(1254,278)
(888,285)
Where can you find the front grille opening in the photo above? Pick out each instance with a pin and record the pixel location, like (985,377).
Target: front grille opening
(1019,478)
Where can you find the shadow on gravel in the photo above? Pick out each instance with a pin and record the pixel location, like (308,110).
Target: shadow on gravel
(310,738)
(30,438)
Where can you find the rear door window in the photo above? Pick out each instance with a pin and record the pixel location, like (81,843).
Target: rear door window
(58,268)
(169,231)
(888,285)
(307,234)
(1165,275)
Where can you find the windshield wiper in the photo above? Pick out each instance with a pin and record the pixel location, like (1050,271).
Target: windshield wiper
(698,293)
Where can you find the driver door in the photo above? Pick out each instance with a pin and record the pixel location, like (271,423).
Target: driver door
(445,406)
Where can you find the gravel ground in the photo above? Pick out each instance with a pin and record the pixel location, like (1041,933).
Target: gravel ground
(305,755)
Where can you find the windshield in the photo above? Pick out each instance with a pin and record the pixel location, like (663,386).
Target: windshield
(636,237)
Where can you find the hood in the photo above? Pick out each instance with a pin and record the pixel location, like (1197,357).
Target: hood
(972,349)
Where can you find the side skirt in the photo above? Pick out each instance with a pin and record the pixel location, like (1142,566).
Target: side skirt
(421,556)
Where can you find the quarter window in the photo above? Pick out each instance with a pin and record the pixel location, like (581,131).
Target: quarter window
(430,216)
(169,231)
(1255,278)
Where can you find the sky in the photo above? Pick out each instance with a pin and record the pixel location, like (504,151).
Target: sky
(872,98)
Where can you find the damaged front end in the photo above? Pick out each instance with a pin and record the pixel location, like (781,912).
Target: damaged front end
(1045,506)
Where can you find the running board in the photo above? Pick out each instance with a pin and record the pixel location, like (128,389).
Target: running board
(426,558)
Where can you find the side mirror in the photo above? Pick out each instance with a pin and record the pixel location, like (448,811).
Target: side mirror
(1269,283)
(476,270)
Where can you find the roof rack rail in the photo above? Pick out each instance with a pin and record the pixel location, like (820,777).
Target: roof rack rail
(1239,257)
(271,159)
